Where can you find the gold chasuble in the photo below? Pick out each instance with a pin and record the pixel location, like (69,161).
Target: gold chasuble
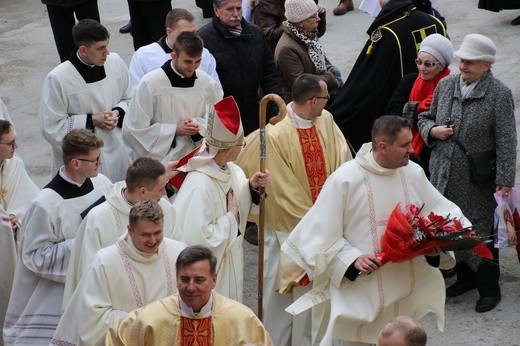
(161,324)
(299,161)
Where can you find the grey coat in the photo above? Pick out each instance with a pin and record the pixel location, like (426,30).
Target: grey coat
(483,121)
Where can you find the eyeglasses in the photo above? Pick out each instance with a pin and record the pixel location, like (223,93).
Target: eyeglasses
(96,160)
(320,97)
(426,64)
(12,143)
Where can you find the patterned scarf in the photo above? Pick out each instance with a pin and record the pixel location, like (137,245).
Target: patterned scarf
(311,41)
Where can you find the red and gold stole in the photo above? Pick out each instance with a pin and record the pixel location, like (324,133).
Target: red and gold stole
(314,160)
(195,331)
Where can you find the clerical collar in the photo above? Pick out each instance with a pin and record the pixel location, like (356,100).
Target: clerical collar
(176,79)
(163,42)
(90,73)
(186,311)
(81,60)
(300,122)
(67,179)
(124,197)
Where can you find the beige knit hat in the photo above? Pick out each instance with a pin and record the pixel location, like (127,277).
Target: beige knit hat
(298,10)
(477,47)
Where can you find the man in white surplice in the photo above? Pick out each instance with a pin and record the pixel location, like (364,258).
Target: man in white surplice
(170,103)
(215,199)
(17,191)
(49,227)
(154,55)
(135,271)
(91,90)
(106,222)
(336,242)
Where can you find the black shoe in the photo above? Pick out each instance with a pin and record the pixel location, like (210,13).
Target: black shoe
(251,234)
(459,288)
(126,28)
(448,273)
(516,21)
(485,304)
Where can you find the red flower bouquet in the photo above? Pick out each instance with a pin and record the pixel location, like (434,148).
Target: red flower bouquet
(408,234)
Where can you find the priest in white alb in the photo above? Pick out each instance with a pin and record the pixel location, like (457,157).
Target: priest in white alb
(90,90)
(106,222)
(135,271)
(302,151)
(170,104)
(215,199)
(337,240)
(17,191)
(49,227)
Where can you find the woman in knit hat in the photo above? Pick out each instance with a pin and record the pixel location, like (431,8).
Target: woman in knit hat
(473,110)
(299,51)
(409,99)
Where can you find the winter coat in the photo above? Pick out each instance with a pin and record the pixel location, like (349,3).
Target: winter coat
(269,16)
(292,60)
(244,64)
(483,121)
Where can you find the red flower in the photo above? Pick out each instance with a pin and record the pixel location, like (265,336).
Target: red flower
(410,235)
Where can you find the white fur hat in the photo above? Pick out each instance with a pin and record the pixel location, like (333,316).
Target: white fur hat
(299,10)
(438,46)
(477,47)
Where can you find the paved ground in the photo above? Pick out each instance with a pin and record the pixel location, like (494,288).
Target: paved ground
(28,54)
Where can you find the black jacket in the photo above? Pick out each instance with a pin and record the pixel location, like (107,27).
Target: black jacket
(380,66)
(244,64)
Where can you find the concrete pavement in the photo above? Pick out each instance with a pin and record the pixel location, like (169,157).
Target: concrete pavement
(28,53)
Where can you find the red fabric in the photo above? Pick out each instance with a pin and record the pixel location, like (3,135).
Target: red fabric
(177,180)
(228,113)
(423,91)
(400,240)
(314,160)
(195,331)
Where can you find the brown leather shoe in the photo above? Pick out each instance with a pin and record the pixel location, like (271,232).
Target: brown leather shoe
(343,7)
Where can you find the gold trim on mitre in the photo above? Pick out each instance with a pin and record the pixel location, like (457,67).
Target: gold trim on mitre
(224,126)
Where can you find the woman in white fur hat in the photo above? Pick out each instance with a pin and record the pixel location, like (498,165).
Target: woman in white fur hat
(415,91)
(477,110)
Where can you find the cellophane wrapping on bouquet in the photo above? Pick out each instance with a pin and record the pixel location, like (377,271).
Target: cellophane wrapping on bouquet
(504,223)
(409,234)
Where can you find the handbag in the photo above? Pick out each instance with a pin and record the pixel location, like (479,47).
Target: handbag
(482,165)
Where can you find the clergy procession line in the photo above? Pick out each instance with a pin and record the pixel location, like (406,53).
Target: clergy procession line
(138,237)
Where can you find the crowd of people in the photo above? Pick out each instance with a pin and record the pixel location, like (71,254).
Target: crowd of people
(138,237)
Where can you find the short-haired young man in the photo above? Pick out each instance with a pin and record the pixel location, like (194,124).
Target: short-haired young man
(50,225)
(352,213)
(106,222)
(137,269)
(91,90)
(170,104)
(154,55)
